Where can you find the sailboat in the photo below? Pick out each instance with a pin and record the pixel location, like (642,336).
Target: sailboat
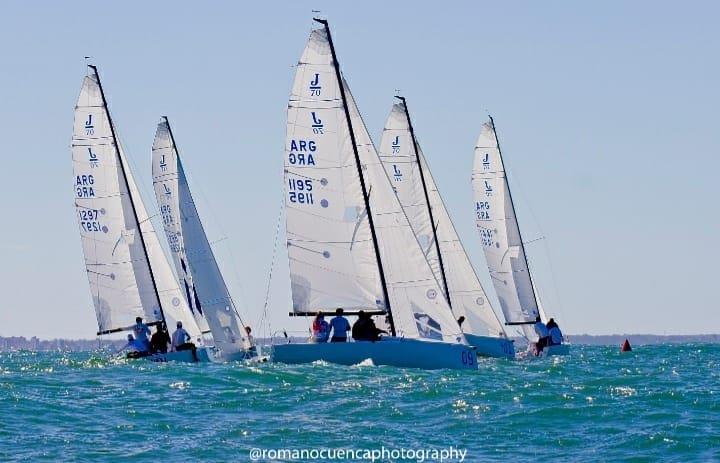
(349,242)
(502,242)
(206,293)
(406,165)
(128,271)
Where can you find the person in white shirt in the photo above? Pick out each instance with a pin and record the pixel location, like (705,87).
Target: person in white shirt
(543,335)
(181,341)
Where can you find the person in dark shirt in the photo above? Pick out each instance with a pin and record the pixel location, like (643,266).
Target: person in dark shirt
(160,340)
(364,328)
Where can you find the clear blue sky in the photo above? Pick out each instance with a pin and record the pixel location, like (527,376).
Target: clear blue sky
(607,113)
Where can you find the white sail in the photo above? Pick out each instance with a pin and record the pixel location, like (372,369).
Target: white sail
(398,157)
(499,232)
(111,216)
(467,296)
(195,264)
(330,248)
(418,306)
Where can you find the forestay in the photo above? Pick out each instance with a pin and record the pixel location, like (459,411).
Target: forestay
(419,308)
(466,294)
(330,248)
(198,271)
(499,232)
(128,273)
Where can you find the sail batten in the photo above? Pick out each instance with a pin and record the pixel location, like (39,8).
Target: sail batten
(499,232)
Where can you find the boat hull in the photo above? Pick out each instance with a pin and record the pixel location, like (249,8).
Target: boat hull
(487,346)
(398,352)
(204,354)
(238,356)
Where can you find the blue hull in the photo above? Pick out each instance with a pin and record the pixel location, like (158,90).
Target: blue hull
(487,346)
(397,352)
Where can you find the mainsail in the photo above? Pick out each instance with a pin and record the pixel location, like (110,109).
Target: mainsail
(499,232)
(330,245)
(127,269)
(420,198)
(349,242)
(198,271)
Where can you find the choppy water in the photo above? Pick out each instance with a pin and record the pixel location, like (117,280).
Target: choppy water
(656,403)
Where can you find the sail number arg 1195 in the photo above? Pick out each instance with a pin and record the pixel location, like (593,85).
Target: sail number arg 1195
(300,191)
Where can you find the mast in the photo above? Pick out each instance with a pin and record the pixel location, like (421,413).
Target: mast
(366,197)
(177,153)
(427,201)
(512,204)
(132,203)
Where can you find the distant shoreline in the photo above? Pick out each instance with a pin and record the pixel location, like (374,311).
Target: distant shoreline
(14,343)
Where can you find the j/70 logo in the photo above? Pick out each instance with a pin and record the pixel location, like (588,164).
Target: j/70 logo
(397,174)
(315,86)
(396,145)
(317,124)
(92,158)
(486,161)
(89,127)
(163,164)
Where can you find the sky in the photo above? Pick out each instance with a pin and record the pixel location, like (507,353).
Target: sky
(606,112)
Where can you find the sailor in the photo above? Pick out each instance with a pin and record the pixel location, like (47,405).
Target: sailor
(160,340)
(340,327)
(556,336)
(137,348)
(141,332)
(543,335)
(181,341)
(364,328)
(249,339)
(320,329)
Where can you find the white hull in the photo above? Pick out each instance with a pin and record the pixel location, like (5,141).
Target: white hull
(487,346)
(398,352)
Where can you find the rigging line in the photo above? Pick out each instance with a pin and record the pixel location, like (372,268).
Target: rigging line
(272,263)
(546,246)
(206,205)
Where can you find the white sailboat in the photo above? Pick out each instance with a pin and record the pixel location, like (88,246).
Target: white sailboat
(412,180)
(128,272)
(205,291)
(350,245)
(502,242)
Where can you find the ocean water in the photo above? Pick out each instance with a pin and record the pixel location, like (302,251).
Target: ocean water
(658,403)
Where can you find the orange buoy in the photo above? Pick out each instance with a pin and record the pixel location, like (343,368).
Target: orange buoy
(626,347)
